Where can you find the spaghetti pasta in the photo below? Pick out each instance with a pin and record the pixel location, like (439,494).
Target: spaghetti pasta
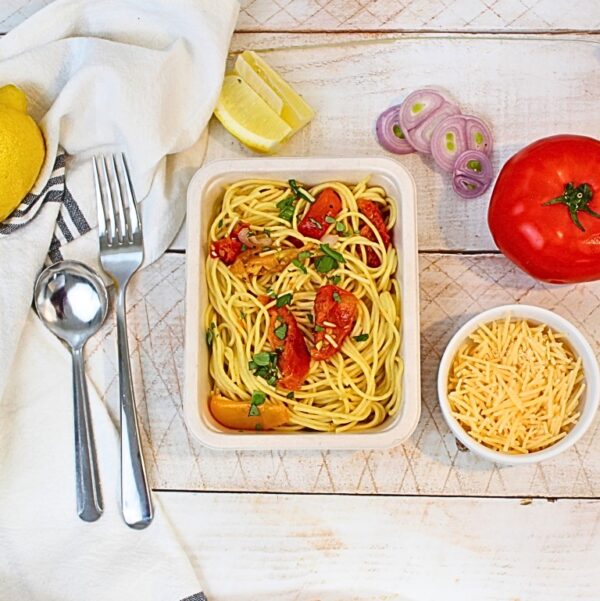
(359,385)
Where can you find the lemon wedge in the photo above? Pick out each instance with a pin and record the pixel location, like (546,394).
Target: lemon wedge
(246,115)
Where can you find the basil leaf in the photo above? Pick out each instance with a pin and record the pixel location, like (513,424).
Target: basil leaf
(272,381)
(290,395)
(340,227)
(329,219)
(336,279)
(252,365)
(325,264)
(281,331)
(305,254)
(262,359)
(319,328)
(258,397)
(299,265)
(284,299)
(361,337)
(209,338)
(254,411)
(336,296)
(334,254)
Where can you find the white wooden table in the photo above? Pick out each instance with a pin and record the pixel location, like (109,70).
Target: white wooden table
(422,521)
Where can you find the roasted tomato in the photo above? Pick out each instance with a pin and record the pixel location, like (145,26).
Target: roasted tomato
(327,204)
(237,416)
(294,358)
(335,316)
(544,213)
(371,211)
(228,249)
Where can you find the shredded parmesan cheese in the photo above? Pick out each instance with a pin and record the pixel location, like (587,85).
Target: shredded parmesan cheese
(515,387)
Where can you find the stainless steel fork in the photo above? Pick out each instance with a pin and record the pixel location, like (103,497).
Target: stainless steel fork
(121,254)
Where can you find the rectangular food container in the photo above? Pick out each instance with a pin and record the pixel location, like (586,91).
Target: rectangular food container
(204,193)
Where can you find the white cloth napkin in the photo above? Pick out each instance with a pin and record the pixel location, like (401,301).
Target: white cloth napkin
(140,76)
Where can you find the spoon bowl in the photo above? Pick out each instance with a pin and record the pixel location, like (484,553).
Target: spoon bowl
(71,300)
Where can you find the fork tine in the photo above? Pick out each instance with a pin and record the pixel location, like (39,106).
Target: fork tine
(110,205)
(125,225)
(116,199)
(134,216)
(102,225)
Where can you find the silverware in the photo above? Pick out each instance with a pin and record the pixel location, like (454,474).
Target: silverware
(72,302)
(121,254)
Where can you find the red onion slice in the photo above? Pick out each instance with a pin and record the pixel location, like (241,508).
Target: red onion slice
(472,174)
(420,136)
(389,132)
(249,238)
(449,141)
(417,107)
(479,136)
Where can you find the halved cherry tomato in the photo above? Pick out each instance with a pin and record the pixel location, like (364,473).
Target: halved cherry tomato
(294,359)
(372,212)
(236,414)
(327,204)
(333,305)
(228,249)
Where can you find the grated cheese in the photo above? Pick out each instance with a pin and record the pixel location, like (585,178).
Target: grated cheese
(515,386)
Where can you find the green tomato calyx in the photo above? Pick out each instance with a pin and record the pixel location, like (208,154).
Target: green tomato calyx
(576,199)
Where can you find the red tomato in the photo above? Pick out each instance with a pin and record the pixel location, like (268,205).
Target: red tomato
(544,213)
(294,359)
(333,305)
(327,204)
(372,212)
(228,249)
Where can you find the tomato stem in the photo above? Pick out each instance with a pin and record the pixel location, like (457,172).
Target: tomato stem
(576,199)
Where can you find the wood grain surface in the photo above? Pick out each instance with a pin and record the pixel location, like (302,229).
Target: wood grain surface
(340,15)
(453,288)
(326,548)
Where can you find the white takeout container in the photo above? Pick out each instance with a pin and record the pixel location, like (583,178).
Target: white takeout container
(204,193)
(577,342)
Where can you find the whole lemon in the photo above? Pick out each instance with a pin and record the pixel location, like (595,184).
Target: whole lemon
(22,149)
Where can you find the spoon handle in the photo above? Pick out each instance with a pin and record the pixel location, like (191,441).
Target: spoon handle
(89,497)
(135,493)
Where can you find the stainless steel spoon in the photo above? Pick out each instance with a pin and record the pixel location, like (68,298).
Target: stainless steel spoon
(72,302)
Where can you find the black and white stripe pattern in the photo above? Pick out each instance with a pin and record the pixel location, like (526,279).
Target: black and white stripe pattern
(196,597)
(70,223)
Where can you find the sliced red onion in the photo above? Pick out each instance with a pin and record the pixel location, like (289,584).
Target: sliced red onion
(420,136)
(389,132)
(249,238)
(418,106)
(472,174)
(479,136)
(449,140)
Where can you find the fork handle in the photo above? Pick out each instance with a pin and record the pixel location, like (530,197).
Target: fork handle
(135,494)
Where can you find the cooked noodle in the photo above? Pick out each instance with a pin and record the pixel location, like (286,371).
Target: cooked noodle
(360,386)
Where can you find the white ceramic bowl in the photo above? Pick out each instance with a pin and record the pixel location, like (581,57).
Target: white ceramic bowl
(578,343)
(205,191)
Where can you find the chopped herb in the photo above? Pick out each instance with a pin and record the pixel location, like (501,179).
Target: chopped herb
(258,397)
(252,365)
(340,227)
(319,328)
(290,395)
(330,219)
(336,279)
(325,263)
(298,192)
(220,224)
(262,359)
(361,337)
(334,254)
(284,299)
(244,248)
(271,293)
(336,296)
(272,381)
(209,338)
(258,427)
(305,254)
(310,317)
(267,232)
(286,207)
(281,331)
(243,314)
(299,265)
(254,411)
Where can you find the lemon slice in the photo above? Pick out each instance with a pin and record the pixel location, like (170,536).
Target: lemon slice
(248,117)
(296,111)
(259,85)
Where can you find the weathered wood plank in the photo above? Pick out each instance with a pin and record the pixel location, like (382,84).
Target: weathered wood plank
(438,15)
(321,548)
(453,288)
